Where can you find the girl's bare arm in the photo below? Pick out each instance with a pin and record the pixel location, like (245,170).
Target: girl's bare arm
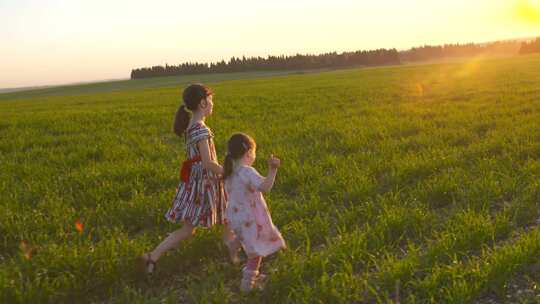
(207,161)
(268,181)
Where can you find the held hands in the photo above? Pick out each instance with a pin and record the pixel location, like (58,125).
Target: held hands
(273,162)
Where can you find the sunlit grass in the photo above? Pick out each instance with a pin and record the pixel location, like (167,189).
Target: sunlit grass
(417,183)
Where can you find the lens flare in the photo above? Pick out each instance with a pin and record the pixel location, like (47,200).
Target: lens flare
(470,67)
(79,225)
(419,90)
(26,249)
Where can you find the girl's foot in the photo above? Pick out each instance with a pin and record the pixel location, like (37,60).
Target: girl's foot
(147,264)
(260,281)
(233,255)
(249,278)
(234,250)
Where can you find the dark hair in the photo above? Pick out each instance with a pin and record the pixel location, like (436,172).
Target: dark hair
(192,97)
(237,146)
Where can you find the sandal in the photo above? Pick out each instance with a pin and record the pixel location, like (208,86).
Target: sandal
(260,281)
(146,264)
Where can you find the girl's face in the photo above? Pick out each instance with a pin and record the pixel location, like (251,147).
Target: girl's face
(250,156)
(207,105)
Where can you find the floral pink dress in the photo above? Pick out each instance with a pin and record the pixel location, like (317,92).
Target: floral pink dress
(247,214)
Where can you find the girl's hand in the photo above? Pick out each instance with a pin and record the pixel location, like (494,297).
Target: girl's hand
(273,162)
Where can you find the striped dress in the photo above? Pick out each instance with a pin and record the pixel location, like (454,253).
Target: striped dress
(201,201)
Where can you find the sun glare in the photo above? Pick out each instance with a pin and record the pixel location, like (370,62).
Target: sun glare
(528,11)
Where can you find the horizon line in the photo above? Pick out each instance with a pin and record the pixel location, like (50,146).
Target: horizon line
(4,90)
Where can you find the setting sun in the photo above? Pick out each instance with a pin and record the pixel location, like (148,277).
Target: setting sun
(529,11)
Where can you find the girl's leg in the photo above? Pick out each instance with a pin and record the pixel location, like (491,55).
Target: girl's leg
(250,273)
(254,263)
(232,243)
(172,241)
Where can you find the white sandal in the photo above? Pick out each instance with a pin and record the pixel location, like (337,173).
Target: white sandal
(147,264)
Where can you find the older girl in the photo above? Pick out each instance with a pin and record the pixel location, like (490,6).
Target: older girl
(200,197)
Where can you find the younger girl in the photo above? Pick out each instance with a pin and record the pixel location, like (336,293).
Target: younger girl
(200,197)
(247,213)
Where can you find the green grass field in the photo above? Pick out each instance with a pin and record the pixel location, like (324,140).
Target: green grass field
(417,184)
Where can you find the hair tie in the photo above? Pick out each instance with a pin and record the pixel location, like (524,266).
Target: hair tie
(186,108)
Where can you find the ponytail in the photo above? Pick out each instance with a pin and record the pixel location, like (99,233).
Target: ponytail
(228,166)
(181,120)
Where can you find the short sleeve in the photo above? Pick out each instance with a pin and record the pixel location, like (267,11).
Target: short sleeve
(252,177)
(200,133)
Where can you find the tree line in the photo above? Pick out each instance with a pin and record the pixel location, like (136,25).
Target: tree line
(429,52)
(295,62)
(335,60)
(530,47)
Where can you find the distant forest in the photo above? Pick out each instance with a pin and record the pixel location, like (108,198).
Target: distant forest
(429,52)
(296,62)
(530,47)
(335,60)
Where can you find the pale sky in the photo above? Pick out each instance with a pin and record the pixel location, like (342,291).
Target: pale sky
(57,41)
